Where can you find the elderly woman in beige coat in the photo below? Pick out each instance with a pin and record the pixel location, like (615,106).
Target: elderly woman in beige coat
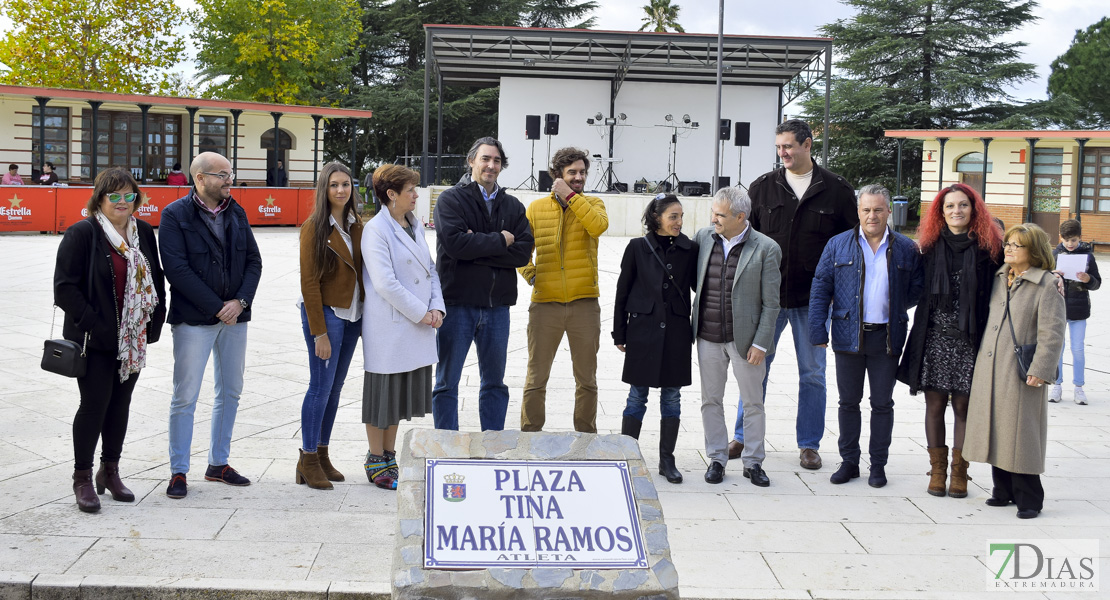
(1007,421)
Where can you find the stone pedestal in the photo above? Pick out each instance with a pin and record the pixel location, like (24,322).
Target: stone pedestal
(411,581)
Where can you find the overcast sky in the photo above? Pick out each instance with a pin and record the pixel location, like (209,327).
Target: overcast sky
(1048,37)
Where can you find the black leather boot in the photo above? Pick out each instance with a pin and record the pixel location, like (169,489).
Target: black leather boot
(668,436)
(108,477)
(87,499)
(630,426)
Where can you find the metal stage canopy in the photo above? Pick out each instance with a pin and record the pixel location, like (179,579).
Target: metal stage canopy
(480,56)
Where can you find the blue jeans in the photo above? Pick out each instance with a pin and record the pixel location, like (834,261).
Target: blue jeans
(810,424)
(1078,331)
(326,377)
(872,363)
(488,329)
(192,345)
(670,402)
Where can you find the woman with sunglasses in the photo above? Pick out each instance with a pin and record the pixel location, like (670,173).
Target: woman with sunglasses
(651,322)
(331,314)
(1007,425)
(962,248)
(109,283)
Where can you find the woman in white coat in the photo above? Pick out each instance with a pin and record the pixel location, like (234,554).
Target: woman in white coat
(404,306)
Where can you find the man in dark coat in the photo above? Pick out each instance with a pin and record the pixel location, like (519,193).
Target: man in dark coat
(278,177)
(482,236)
(800,206)
(213,266)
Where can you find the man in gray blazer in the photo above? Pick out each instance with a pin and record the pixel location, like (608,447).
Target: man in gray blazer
(734,315)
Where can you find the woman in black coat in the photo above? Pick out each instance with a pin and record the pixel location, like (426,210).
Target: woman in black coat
(109,283)
(651,322)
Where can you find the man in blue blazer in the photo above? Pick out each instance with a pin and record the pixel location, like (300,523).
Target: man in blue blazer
(870,276)
(213,266)
(734,313)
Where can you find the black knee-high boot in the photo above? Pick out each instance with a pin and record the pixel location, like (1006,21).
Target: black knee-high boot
(668,436)
(630,426)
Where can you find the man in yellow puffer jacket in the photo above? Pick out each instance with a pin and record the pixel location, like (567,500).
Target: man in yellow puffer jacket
(563,276)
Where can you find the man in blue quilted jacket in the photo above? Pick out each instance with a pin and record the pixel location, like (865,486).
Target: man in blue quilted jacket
(870,276)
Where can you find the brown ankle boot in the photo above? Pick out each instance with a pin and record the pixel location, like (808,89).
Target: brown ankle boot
(957,486)
(938,458)
(309,471)
(107,476)
(332,473)
(87,500)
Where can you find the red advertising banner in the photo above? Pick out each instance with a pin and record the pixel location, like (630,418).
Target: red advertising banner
(269,206)
(307,203)
(156,198)
(71,202)
(26,208)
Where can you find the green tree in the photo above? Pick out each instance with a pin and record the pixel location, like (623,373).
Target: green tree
(124,46)
(917,64)
(283,51)
(560,14)
(662,16)
(1083,72)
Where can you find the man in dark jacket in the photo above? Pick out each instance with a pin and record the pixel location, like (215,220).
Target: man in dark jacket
(800,206)
(869,276)
(1077,299)
(213,266)
(278,177)
(482,236)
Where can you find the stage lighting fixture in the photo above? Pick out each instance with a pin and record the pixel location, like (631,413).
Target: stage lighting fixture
(668,118)
(694,125)
(589,121)
(599,117)
(686,119)
(622,116)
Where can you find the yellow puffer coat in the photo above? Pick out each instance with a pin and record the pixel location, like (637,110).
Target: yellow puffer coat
(565,265)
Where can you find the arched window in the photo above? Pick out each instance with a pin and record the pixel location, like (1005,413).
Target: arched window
(972,162)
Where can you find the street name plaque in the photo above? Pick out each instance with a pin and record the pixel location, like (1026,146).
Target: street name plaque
(526,514)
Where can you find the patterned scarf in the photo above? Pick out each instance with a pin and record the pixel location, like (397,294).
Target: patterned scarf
(139,297)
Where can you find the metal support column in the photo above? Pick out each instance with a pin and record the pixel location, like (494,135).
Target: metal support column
(42,100)
(145,108)
(828,101)
(427,101)
(720,76)
(235,112)
(94,150)
(898,171)
(612,131)
(277,145)
(940,164)
(1078,187)
(986,145)
(439,127)
(354,149)
(1027,213)
(191,140)
(316,148)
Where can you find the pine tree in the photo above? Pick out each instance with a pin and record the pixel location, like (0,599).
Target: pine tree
(1083,72)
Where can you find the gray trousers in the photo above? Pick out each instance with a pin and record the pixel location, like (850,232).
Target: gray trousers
(713,361)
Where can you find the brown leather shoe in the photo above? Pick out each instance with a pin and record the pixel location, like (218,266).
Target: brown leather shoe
(810,459)
(735,449)
(87,499)
(325,464)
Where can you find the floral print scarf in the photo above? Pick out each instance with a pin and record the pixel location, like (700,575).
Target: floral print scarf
(139,297)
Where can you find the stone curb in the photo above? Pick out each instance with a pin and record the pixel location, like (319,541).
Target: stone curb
(24,586)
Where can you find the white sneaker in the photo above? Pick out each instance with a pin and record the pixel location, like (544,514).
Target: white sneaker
(1080,396)
(1055,393)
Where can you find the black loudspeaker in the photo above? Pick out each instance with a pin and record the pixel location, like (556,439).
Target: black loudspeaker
(743,134)
(722,181)
(620,187)
(545,181)
(551,124)
(532,127)
(726,129)
(693,188)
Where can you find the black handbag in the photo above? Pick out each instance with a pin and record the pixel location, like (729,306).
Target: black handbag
(1023,352)
(62,356)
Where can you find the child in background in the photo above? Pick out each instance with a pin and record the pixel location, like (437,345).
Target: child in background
(1078,302)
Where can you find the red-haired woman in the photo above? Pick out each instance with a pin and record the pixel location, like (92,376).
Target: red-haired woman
(962,246)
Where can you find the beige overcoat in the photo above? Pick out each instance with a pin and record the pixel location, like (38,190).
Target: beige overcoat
(1007,420)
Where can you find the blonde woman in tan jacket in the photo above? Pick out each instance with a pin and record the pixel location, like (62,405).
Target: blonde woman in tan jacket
(331,314)
(1007,418)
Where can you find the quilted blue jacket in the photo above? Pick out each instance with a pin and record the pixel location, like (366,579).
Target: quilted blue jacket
(839,283)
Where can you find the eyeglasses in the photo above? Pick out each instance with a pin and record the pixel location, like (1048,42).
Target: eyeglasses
(223,176)
(115,197)
(1012,246)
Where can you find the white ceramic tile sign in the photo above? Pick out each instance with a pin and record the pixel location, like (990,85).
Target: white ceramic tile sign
(505,513)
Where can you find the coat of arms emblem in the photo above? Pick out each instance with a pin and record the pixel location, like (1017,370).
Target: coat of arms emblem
(454,490)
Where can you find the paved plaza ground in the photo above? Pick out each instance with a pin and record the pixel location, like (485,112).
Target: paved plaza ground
(800,538)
